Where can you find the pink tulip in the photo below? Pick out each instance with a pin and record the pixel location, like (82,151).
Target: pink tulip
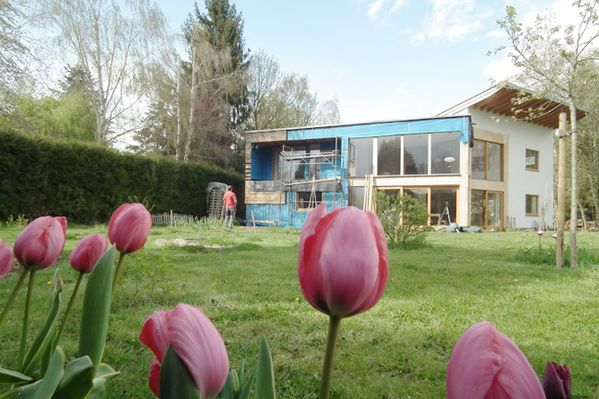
(485,364)
(195,340)
(5,259)
(41,242)
(87,252)
(129,227)
(556,381)
(342,264)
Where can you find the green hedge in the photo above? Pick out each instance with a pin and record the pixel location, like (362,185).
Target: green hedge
(86,182)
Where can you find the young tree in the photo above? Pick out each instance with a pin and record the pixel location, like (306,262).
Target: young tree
(282,100)
(113,42)
(551,58)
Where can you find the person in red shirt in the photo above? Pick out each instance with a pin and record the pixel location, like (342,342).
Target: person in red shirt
(230,200)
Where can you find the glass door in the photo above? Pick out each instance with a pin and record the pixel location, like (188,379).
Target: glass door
(486,209)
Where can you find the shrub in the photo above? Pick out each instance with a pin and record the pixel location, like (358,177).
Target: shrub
(404,219)
(86,182)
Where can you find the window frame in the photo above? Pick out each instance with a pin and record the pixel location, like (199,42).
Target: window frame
(486,161)
(536,166)
(536,211)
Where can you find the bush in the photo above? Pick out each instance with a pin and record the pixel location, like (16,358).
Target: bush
(404,219)
(87,182)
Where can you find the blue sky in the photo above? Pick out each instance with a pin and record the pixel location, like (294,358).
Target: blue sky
(381,59)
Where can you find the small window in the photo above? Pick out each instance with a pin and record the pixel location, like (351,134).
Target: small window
(532,205)
(532,160)
(308,200)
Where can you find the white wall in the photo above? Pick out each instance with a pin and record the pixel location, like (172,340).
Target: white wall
(520,136)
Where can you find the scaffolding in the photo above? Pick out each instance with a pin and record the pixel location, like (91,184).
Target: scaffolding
(289,158)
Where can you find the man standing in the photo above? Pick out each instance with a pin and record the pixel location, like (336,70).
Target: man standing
(230,200)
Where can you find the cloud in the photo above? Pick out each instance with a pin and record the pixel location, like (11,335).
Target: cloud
(452,20)
(375,7)
(383,9)
(496,34)
(500,69)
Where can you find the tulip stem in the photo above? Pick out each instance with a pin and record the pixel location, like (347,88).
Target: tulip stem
(13,294)
(327,368)
(118,269)
(70,305)
(26,317)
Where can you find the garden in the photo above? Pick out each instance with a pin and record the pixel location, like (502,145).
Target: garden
(246,283)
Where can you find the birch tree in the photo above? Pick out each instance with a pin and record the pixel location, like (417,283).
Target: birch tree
(113,41)
(551,58)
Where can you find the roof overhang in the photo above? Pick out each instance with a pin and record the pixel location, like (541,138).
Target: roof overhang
(516,103)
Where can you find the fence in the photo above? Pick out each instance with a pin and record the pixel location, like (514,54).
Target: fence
(172,219)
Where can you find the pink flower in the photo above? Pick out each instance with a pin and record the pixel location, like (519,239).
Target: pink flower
(129,227)
(5,259)
(342,264)
(41,242)
(195,340)
(485,364)
(540,232)
(556,381)
(87,252)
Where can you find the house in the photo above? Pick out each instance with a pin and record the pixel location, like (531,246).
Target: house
(473,164)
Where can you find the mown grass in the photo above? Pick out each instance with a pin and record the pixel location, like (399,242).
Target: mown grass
(245,281)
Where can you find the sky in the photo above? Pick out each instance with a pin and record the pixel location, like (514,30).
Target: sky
(383,59)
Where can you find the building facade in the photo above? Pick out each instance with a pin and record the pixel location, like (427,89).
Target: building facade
(473,165)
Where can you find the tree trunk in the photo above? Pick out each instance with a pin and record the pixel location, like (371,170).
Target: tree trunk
(192,105)
(574,193)
(178,105)
(561,190)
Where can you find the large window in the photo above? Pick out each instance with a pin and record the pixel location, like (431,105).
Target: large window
(360,157)
(443,205)
(389,158)
(532,160)
(445,153)
(532,205)
(487,161)
(415,154)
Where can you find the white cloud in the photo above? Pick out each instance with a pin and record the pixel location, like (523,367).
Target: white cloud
(375,7)
(496,34)
(452,19)
(500,69)
(382,9)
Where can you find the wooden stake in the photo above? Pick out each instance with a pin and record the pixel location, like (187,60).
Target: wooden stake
(561,190)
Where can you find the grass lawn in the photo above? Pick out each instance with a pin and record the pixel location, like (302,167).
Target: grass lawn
(399,349)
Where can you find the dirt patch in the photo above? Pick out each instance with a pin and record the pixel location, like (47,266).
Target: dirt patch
(182,242)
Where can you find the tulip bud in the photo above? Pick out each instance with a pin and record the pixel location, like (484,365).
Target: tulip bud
(195,340)
(41,242)
(5,259)
(342,263)
(556,381)
(485,364)
(87,252)
(129,227)
(154,377)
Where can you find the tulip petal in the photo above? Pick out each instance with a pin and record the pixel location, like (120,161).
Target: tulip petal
(349,261)
(199,345)
(87,252)
(556,381)
(154,333)
(383,272)
(154,377)
(5,259)
(129,227)
(487,364)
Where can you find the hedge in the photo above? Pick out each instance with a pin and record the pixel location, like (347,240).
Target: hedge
(86,182)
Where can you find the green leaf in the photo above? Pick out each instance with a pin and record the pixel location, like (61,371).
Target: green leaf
(265,378)
(103,374)
(227,391)
(175,381)
(96,308)
(45,336)
(78,379)
(11,377)
(44,388)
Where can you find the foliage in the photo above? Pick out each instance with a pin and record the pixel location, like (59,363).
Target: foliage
(404,219)
(546,256)
(15,53)
(86,183)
